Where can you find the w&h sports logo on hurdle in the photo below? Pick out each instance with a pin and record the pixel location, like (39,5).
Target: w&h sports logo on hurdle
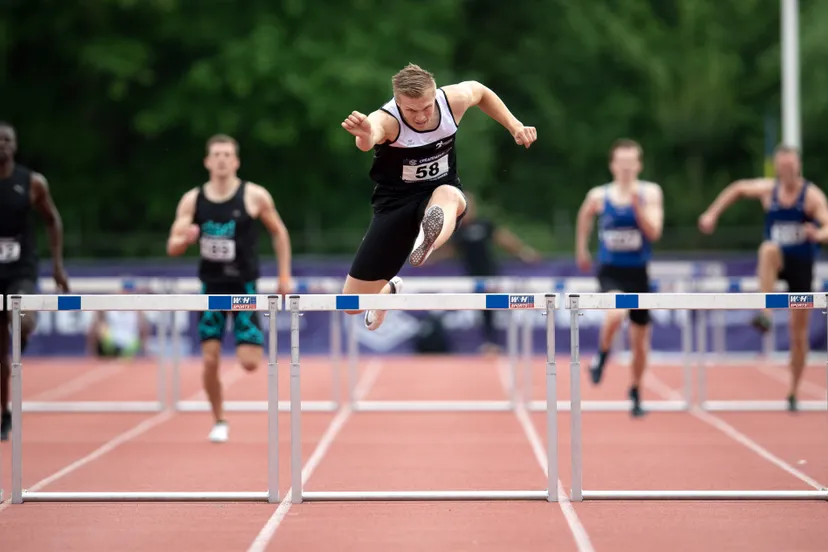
(521,301)
(243,302)
(801,301)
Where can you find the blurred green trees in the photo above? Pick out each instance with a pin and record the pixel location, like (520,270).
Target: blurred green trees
(114,99)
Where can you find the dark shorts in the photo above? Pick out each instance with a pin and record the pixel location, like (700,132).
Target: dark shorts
(390,239)
(798,273)
(247,328)
(627,279)
(16,286)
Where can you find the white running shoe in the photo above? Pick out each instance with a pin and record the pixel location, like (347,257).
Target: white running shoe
(430,229)
(220,432)
(375,318)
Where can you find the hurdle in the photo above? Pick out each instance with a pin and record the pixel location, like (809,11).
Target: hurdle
(269,304)
(108,286)
(673,280)
(458,285)
(576,303)
(433,301)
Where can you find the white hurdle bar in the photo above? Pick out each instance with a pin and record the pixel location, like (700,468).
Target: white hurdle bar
(269,304)
(435,301)
(576,303)
(110,286)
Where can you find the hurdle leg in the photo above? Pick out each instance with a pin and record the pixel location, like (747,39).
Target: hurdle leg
(175,364)
(336,356)
(551,404)
(353,352)
(162,355)
(575,400)
(514,354)
(526,350)
(701,356)
(687,361)
(17,404)
(296,404)
(272,405)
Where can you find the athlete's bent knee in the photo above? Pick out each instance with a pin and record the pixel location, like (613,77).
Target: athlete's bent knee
(640,317)
(211,353)
(250,356)
(769,250)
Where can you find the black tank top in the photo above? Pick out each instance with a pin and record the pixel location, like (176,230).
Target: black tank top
(228,240)
(416,162)
(18,253)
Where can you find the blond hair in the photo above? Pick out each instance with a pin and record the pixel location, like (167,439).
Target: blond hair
(222,139)
(412,81)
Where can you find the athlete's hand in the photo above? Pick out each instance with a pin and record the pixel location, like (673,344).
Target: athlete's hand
(61,278)
(525,136)
(707,223)
(358,125)
(191,234)
(584,260)
(283,287)
(811,232)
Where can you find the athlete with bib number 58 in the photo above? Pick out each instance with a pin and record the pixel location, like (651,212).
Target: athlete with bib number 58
(631,218)
(221,215)
(796,222)
(417,200)
(21,190)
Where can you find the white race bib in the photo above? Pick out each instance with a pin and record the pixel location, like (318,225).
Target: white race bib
(622,240)
(426,171)
(9,250)
(792,233)
(218,249)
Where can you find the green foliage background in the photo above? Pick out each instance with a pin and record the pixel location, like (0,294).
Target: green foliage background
(114,99)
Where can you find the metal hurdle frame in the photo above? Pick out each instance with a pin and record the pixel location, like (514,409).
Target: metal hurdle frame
(109,286)
(576,303)
(441,285)
(434,301)
(270,304)
(180,405)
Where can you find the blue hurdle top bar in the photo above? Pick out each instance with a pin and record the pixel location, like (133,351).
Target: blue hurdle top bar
(136,302)
(697,301)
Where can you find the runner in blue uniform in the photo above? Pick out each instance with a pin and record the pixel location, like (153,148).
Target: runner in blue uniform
(631,217)
(796,222)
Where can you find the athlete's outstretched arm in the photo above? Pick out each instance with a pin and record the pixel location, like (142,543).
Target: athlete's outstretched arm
(54,225)
(369,130)
(472,93)
(279,233)
(650,215)
(754,188)
(183,232)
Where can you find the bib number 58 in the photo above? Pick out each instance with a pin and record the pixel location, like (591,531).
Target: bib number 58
(424,171)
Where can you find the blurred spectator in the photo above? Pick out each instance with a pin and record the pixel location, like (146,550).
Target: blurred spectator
(118,334)
(472,243)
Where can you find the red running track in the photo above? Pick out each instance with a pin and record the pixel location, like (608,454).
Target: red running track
(375,451)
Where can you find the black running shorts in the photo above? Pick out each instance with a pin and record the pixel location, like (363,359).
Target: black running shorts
(626,279)
(798,273)
(390,239)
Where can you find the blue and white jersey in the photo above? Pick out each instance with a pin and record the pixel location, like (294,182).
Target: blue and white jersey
(785,226)
(620,239)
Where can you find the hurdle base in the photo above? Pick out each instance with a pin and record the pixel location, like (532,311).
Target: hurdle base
(92,406)
(255,406)
(762,406)
(706,495)
(206,496)
(613,406)
(418,496)
(432,406)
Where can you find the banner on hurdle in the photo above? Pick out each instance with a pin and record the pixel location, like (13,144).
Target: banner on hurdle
(425,301)
(576,303)
(20,304)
